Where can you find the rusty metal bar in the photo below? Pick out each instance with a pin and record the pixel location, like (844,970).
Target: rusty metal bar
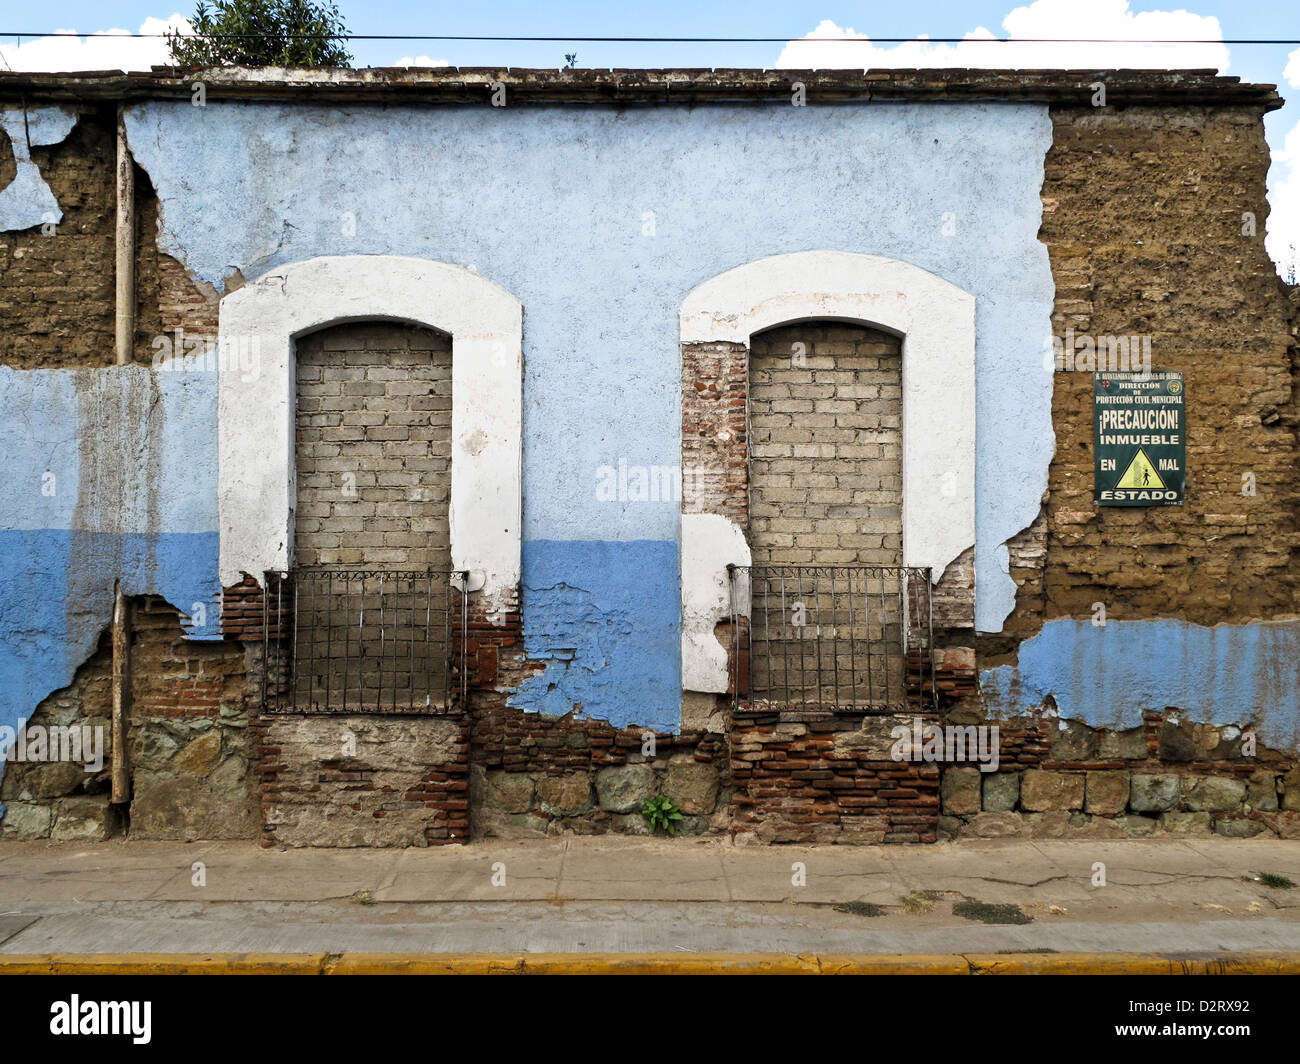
(886,596)
(121,694)
(320,596)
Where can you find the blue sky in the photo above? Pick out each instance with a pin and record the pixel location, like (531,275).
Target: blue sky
(761,18)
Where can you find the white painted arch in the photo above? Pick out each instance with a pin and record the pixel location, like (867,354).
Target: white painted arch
(256,482)
(936,321)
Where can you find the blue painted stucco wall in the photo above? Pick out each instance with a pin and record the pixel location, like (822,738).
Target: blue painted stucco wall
(108,474)
(601,221)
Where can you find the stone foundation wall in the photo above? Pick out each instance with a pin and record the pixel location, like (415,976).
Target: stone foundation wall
(1059,779)
(190,749)
(350,780)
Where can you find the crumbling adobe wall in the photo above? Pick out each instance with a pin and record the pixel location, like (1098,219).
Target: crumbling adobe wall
(536,774)
(1143,212)
(97,497)
(1154,220)
(193,774)
(57,284)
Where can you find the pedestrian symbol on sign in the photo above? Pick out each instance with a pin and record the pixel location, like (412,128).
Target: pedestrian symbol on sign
(1140,473)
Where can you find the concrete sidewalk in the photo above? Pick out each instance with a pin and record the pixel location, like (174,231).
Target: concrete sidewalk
(620,895)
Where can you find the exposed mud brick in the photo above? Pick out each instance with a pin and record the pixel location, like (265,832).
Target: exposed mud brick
(57,288)
(1143,211)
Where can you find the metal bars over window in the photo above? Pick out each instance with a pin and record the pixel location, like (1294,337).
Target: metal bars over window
(831,639)
(364,641)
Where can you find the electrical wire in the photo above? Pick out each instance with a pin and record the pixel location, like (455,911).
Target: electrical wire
(1279,42)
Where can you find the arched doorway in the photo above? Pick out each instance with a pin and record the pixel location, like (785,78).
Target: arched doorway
(896,503)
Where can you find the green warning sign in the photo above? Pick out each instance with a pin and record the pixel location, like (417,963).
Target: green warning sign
(1140,437)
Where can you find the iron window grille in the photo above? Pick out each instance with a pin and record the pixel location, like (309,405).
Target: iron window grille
(821,639)
(364,641)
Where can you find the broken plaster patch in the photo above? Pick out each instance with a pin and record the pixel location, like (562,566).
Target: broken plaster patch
(1106,676)
(27,200)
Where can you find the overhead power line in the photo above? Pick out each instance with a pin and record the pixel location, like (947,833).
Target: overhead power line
(680,40)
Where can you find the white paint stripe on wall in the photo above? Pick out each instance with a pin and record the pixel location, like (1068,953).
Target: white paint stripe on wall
(710,543)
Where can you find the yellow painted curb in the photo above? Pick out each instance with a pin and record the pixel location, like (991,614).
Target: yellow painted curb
(162,963)
(641,964)
(1134,964)
(646,964)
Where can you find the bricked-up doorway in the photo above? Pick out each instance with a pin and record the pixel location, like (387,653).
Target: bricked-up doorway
(825,455)
(825,507)
(373,447)
(372,549)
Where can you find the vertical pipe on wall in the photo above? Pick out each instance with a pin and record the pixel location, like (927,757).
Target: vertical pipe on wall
(125,245)
(124,333)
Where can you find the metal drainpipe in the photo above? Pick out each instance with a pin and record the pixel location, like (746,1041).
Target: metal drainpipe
(124,335)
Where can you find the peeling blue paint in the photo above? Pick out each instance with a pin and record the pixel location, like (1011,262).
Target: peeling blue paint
(108,474)
(611,640)
(27,200)
(56,599)
(1107,676)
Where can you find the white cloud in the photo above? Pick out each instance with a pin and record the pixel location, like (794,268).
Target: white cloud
(116,52)
(1292,71)
(1070,19)
(420,61)
(1283,240)
(1044,19)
